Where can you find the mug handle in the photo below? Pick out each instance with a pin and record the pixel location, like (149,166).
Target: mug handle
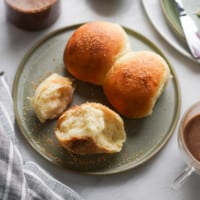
(182,177)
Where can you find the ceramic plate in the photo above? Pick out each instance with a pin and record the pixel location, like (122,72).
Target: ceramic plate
(169,10)
(158,20)
(145,137)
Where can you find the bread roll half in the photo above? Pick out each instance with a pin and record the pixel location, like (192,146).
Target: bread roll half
(135,82)
(92,50)
(91,128)
(52,96)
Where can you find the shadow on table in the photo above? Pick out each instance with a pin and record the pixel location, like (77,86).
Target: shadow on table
(18,39)
(190,189)
(107,7)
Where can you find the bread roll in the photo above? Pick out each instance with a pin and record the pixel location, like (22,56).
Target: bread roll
(135,82)
(52,97)
(91,128)
(92,50)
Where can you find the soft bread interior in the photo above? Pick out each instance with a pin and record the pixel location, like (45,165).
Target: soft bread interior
(101,126)
(52,97)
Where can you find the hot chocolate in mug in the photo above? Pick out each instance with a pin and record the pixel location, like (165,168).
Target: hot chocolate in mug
(189,143)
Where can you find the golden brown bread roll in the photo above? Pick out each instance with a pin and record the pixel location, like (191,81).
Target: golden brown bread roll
(92,50)
(52,96)
(91,128)
(135,82)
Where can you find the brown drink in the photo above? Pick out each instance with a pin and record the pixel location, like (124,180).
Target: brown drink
(192,136)
(189,143)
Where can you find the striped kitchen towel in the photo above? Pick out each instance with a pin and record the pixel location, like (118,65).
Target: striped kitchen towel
(19,181)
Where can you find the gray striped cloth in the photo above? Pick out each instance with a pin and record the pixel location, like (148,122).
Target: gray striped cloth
(27,181)
(19,180)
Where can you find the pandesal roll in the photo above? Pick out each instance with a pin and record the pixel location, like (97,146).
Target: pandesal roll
(92,50)
(91,128)
(135,82)
(52,96)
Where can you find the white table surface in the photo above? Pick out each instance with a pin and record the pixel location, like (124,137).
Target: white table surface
(150,181)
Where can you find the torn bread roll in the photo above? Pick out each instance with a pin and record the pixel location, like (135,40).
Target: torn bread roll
(52,96)
(135,82)
(91,128)
(92,50)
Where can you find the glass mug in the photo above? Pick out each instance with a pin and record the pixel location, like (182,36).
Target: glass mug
(189,143)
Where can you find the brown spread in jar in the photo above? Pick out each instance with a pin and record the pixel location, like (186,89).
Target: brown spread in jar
(32,14)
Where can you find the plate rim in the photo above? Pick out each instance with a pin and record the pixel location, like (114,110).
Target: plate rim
(171,22)
(183,51)
(149,155)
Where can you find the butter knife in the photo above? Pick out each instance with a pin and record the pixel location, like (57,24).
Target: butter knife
(190,30)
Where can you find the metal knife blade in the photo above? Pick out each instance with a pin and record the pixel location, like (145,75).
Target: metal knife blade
(190,30)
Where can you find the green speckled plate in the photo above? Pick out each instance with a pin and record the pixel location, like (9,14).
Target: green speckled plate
(169,10)
(145,137)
